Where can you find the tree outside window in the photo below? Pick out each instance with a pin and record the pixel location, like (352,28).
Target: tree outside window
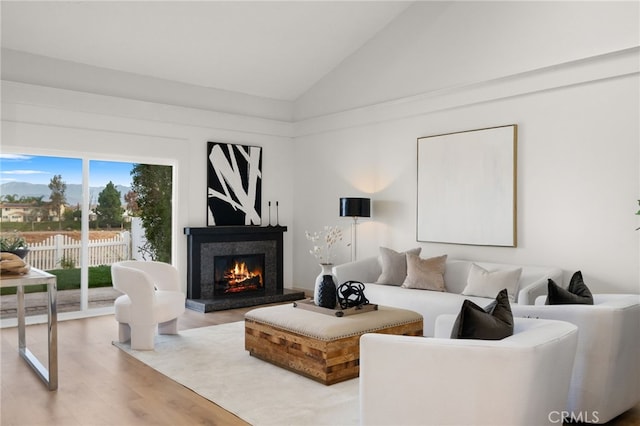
(109,208)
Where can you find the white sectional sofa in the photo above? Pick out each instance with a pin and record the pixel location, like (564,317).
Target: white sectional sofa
(520,380)
(606,373)
(431,304)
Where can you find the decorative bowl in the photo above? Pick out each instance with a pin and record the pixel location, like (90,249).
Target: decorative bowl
(21,252)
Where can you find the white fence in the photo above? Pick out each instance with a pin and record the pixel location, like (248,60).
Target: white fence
(59,251)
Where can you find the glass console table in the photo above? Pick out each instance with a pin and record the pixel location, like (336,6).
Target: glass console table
(35,277)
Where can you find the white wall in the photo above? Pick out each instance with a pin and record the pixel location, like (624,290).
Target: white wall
(47,121)
(573,91)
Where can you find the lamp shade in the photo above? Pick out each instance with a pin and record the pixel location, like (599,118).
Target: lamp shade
(355,207)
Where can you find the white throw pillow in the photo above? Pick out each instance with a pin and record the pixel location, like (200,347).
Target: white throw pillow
(483,283)
(394,265)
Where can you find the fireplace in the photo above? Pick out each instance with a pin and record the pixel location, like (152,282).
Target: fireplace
(235,266)
(236,275)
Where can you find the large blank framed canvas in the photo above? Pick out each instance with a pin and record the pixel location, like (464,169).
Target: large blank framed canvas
(467,187)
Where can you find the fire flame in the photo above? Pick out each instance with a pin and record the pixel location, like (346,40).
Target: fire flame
(239,273)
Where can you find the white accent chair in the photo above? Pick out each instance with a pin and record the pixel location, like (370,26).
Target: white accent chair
(606,372)
(520,380)
(152,301)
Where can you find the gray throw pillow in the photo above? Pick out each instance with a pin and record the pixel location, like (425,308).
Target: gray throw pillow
(425,274)
(394,265)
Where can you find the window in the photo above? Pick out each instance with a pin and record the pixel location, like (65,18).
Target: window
(81,215)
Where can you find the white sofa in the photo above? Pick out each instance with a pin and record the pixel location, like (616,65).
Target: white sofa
(606,372)
(519,380)
(431,304)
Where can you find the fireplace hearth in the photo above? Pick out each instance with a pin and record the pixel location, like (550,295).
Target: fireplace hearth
(235,266)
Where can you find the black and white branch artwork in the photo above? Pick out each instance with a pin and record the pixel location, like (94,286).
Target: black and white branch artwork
(234,180)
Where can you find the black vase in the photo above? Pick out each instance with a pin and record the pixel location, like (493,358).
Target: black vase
(327,292)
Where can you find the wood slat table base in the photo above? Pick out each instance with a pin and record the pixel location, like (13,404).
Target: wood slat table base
(327,362)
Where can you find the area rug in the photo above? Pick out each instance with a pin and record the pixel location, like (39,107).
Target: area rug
(212,362)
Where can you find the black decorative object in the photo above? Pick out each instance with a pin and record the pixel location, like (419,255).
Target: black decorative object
(327,292)
(351,294)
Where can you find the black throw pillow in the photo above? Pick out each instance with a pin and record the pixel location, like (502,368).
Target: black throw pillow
(576,294)
(495,322)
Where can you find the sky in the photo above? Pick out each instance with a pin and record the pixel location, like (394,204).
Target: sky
(40,170)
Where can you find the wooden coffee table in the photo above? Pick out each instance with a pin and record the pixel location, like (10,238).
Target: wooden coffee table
(322,347)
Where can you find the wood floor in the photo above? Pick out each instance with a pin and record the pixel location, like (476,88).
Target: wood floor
(98,383)
(101,385)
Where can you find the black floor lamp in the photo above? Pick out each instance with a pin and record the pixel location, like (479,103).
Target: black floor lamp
(355,208)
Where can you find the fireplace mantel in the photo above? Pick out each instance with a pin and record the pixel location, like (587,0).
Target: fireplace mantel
(221,231)
(203,243)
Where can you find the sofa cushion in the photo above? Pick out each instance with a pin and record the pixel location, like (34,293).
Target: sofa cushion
(394,265)
(495,322)
(576,294)
(483,283)
(425,274)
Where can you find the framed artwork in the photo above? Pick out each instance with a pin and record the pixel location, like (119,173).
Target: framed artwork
(467,187)
(234,184)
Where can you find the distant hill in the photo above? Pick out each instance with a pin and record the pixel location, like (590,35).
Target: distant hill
(74,191)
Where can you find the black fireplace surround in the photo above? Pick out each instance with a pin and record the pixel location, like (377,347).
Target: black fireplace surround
(204,244)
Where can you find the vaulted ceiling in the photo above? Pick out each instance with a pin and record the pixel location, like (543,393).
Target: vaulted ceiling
(270,49)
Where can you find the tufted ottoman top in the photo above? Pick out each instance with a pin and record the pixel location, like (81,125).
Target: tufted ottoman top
(327,327)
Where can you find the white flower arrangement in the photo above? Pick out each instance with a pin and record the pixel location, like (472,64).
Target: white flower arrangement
(323,241)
